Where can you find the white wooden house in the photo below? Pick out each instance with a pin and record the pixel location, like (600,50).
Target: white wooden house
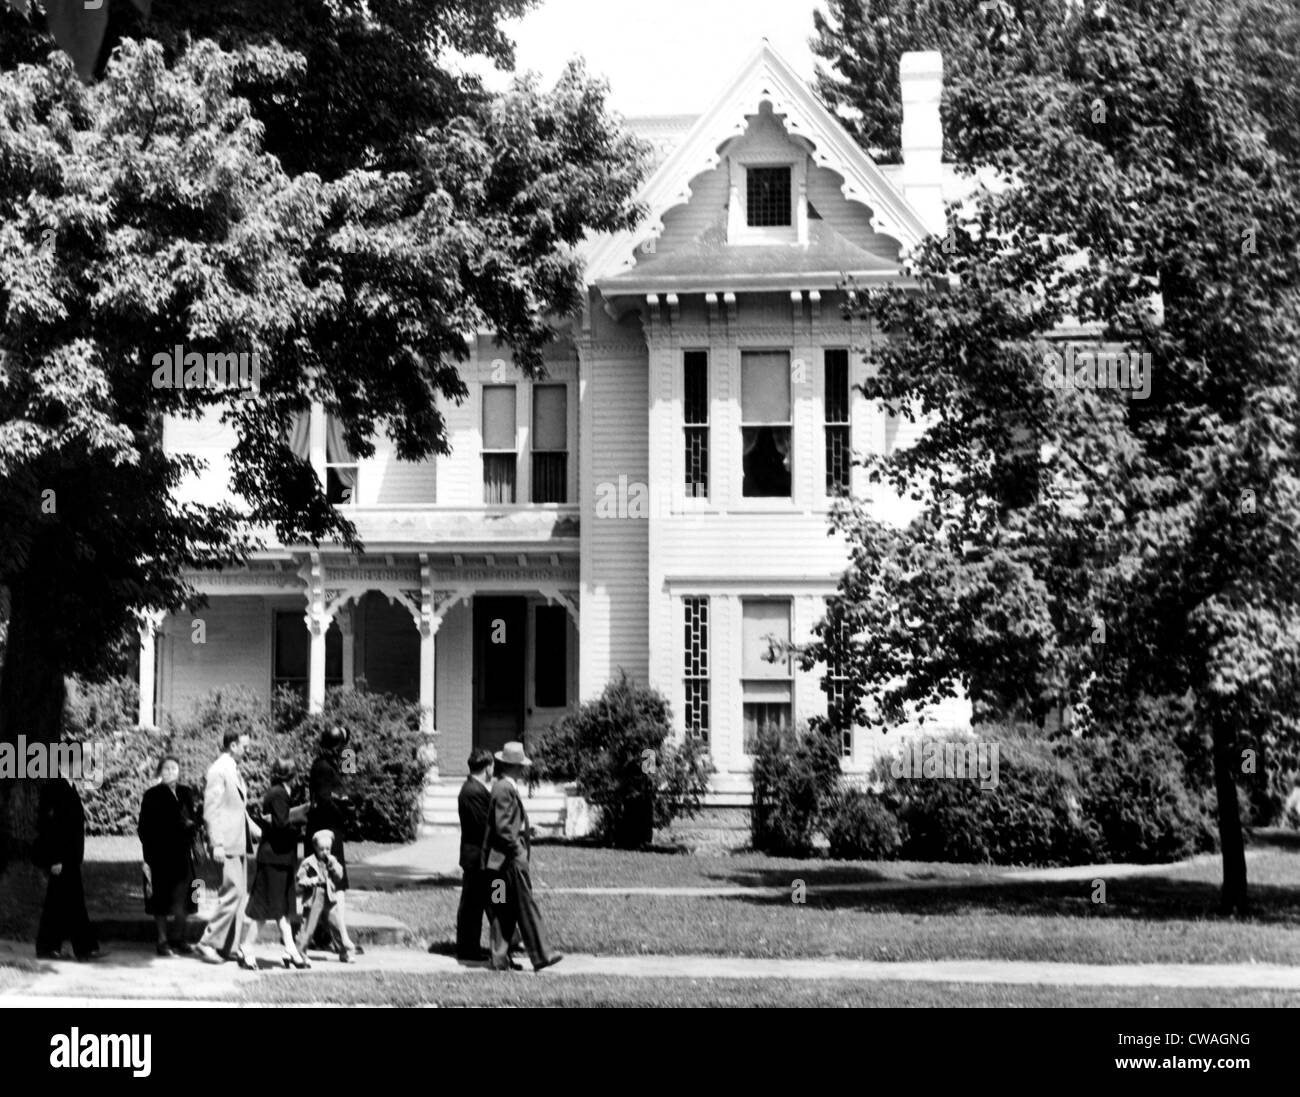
(657,503)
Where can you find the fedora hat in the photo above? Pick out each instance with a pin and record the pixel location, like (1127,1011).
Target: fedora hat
(512,754)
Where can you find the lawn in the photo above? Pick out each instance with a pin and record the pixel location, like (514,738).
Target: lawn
(922,912)
(483,989)
(915,911)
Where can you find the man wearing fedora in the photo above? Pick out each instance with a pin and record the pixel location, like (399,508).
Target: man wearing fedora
(506,849)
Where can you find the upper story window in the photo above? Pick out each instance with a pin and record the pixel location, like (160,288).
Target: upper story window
(765,423)
(695,419)
(550,471)
(500,444)
(839,453)
(768,197)
(341,467)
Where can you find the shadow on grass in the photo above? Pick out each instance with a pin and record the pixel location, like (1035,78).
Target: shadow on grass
(1152,897)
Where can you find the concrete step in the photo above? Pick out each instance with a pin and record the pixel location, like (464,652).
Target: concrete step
(364,928)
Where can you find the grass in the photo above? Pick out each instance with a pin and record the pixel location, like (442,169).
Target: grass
(15,974)
(919,911)
(938,912)
(584,991)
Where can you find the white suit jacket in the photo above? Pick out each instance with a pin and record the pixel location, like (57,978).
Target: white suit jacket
(225,808)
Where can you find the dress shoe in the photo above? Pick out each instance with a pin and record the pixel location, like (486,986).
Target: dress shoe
(181,948)
(209,955)
(93,955)
(548,961)
(164,949)
(245,961)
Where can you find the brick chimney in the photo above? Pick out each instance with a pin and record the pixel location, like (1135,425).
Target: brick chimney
(921,80)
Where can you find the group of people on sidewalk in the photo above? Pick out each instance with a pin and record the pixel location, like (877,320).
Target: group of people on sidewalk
(261,843)
(495,850)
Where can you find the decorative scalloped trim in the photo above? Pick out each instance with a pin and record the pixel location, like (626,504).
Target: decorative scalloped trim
(768,77)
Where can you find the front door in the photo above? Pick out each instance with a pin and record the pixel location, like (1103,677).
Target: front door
(499,638)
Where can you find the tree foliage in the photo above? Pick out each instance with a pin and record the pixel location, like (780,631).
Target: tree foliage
(1083,549)
(221,194)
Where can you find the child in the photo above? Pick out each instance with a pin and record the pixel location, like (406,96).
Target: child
(320,880)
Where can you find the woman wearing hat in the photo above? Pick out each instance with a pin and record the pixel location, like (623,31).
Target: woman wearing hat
(273,896)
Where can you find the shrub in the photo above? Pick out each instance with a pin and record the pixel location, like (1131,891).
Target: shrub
(385,770)
(620,753)
(861,827)
(1134,792)
(795,777)
(385,762)
(102,716)
(1031,816)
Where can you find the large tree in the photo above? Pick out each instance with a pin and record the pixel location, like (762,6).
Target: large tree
(1132,560)
(183,199)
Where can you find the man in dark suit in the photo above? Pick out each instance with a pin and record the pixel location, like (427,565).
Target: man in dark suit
(506,850)
(475,798)
(60,849)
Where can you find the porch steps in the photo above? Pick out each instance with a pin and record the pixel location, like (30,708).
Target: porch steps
(724,808)
(545,807)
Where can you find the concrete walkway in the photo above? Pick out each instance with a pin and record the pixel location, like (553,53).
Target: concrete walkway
(139,974)
(433,859)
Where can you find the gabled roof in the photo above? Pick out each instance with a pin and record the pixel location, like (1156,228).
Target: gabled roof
(765,76)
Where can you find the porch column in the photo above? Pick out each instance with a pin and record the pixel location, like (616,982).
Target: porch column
(318,623)
(427,622)
(150,622)
(428,665)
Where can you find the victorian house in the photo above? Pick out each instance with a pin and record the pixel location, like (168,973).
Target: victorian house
(657,503)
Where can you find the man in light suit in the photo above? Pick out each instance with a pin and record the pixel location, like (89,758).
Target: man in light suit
(232,833)
(506,850)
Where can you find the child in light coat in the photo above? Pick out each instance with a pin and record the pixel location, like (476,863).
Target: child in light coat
(319,880)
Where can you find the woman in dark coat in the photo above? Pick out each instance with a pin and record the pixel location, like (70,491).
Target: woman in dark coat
(272,897)
(329,801)
(168,825)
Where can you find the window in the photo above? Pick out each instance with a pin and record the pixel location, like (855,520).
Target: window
(500,449)
(341,467)
(765,424)
(291,655)
(695,415)
(551,657)
(550,444)
(767,197)
(695,654)
(837,683)
(839,454)
(767,686)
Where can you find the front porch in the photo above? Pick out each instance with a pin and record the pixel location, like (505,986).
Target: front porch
(486,645)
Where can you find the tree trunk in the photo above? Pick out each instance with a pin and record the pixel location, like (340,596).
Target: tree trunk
(31,705)
(1227,758)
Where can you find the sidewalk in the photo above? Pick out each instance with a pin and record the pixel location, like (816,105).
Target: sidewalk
(434,860)
(132,973)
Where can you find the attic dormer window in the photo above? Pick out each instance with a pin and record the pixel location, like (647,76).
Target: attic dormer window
(767,197)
